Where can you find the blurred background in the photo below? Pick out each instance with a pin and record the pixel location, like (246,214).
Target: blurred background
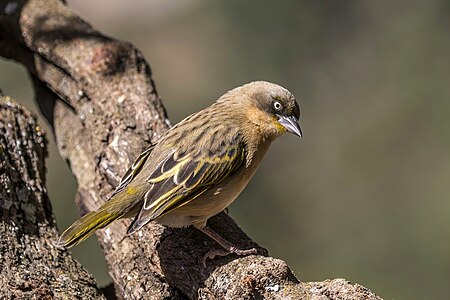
(365,194)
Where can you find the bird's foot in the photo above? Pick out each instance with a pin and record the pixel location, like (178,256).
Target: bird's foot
(213,253)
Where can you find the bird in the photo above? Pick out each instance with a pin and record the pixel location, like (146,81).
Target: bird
(198,167)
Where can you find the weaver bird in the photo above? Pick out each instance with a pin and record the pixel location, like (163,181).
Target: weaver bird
(199,166)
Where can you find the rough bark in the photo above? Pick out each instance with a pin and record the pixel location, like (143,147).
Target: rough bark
(99,95)
(31,267)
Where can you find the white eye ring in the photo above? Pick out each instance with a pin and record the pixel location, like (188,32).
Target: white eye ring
(277,105)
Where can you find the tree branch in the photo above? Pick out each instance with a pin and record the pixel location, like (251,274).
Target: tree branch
(109,112)
(31,267)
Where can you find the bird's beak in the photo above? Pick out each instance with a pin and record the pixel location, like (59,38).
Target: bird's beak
(291,125)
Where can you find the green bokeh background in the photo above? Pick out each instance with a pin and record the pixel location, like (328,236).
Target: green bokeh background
(365,194)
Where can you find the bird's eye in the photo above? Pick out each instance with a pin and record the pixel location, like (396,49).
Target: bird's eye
(277,105)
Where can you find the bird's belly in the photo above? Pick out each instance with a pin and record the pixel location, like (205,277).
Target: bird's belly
(210,203)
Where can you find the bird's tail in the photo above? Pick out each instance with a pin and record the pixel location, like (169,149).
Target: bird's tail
(83,228)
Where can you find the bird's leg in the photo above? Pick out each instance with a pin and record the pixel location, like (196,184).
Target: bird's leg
(228,247)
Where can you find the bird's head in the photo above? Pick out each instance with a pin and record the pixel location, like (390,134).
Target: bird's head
(272,108)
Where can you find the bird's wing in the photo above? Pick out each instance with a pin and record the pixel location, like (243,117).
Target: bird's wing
(182,177)
(133,170)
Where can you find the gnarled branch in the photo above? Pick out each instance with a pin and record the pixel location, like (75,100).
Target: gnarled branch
(31,266)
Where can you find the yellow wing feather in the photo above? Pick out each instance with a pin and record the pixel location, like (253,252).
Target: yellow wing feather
(180,179)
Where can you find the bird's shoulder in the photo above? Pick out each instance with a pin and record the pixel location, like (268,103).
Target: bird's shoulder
(203,134)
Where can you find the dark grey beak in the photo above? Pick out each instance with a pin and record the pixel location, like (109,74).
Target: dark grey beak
(291,125)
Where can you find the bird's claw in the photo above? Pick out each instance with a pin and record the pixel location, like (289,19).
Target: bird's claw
(213,253)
